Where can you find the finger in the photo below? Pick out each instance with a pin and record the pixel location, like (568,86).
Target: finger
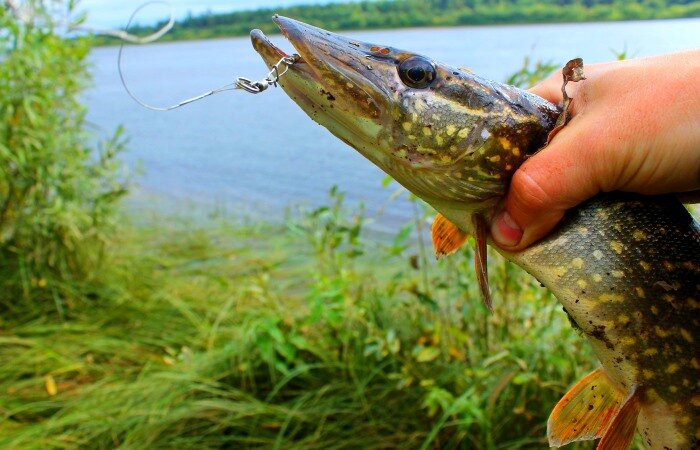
(550,87)
(552,181)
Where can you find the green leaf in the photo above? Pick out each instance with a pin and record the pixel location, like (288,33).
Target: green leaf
(427,301)
(495,358)
(403,234)
(427,354)
(524,377)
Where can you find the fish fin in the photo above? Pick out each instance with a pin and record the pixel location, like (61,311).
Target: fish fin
(447,237)
(619,434)
(586,411)
(480,259)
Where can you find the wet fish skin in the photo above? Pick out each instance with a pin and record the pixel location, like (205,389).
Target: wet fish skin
(625,267)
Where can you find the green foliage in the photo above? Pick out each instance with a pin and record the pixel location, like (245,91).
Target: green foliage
(302,336)
(334,237)
(57,194)
(420,13)
(527,76)
(255,337)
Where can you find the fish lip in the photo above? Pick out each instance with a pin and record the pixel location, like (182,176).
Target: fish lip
(320,53)
(272,54)
(297,33)
(291,29)
(269,52)
(320,49)
(304,38)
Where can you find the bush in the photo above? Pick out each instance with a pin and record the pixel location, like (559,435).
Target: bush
(57,194)
(305,337)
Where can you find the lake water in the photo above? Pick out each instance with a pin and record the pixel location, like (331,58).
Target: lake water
(254,156)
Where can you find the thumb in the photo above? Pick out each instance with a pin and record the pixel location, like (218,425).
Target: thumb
(552,181)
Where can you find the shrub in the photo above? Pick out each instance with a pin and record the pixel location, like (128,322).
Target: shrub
(57,194)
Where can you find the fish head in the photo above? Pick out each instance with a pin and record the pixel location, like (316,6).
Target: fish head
(447,135)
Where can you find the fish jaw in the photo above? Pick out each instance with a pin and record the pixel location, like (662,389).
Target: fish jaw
(454,143)
(327,89)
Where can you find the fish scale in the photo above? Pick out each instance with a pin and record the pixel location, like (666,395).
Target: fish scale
(625,267)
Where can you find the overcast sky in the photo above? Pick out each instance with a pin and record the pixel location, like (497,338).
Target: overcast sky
(114,13)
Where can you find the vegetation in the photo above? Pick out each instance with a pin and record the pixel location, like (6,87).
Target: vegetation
(57,195)
(370,14)
(300,335)
(288,337)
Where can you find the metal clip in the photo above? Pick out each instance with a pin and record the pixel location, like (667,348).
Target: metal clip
(272,78)
(253,87)
(242,83)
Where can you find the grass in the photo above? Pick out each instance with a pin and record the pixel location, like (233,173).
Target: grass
(304,335)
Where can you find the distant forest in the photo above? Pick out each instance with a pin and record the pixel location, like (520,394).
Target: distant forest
(373,14)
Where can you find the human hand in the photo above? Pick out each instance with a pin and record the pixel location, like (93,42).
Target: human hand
(635,126)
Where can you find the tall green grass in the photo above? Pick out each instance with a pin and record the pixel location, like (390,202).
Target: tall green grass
(303,336)
(57,194)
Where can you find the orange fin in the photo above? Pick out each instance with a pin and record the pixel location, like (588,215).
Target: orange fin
(586,411)
(447,238)
(480,259)
(619,434)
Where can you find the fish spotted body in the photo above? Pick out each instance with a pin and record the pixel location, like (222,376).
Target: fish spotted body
(626,268)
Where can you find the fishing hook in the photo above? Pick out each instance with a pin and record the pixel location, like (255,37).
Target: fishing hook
(272,78)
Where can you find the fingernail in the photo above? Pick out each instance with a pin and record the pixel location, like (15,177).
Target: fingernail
(505,231)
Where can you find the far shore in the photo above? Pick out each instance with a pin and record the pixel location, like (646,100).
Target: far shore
(175,36)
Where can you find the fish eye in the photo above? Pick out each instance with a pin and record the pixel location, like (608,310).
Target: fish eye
(417,72)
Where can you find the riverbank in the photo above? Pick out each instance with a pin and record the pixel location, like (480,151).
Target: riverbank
(287,336)
(125,329)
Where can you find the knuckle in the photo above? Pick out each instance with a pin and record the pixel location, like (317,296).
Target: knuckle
(528,193)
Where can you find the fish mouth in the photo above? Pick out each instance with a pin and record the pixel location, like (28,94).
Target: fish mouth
(337,81)
(269,52)
(354,90)
(328,59)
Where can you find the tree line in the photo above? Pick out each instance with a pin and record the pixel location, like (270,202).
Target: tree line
(375,14)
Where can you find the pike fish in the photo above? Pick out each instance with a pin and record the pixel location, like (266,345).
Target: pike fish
(625,267)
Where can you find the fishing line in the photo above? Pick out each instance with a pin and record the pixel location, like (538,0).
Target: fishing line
(125,36)
(65,25)
(241,83)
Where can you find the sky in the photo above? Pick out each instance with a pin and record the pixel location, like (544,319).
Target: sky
(115,13)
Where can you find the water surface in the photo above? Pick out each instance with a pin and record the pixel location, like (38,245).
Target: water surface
(254,156)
